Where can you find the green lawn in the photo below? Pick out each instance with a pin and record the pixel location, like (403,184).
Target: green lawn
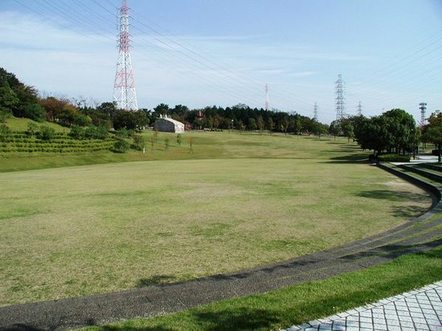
(245,201)
(300,303)
(199,145)
(21,124)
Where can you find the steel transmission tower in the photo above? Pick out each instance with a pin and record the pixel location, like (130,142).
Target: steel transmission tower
(124,87)
(339,98)
(359,109)
(423,109)
(315,111)
(267,102)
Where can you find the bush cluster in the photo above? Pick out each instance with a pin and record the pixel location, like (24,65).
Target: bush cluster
(90,132)
(393,158)
(35,140)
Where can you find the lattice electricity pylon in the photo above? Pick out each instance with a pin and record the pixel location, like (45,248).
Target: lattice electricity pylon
(124,87)
(423,109)
(339,98)
(315,111)
(267,102)
(359,112)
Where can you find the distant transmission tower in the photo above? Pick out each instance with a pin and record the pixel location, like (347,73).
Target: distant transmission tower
(423,108)
(315,112)
(360,109)
(339,98)
(124,86)
(267,103)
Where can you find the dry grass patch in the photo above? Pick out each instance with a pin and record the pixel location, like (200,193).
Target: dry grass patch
(93,229)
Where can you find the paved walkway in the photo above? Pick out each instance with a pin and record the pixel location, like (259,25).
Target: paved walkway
(415,310)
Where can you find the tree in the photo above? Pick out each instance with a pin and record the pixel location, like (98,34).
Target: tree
(139,142)
(260,123)
(121,146)
(124,120)
(401,127)
(53,107)
(34,111)
(371,134)
(432,132)
(335,128)
(270,124)
(284,124)
(252,124)
(161,109)
(347,128)
(393,130)
(8,100)
(434,135)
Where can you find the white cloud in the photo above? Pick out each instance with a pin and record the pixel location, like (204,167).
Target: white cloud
(230,69)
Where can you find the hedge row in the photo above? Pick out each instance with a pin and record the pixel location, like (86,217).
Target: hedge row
(52,150)
(393,158)
(51,147)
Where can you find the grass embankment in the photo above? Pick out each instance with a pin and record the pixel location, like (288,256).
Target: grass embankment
(21,124)
(196,145)
(93,229)
(300,303)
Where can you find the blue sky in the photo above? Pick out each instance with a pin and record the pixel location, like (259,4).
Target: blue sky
(206,52)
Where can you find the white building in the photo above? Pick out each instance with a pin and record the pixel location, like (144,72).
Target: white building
(167,124)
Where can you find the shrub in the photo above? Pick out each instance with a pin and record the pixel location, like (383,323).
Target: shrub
(96,132)
(124,133)
(46,133)
(121,146)
(139,142)
(76,132)
(4,115)
(32,129)
(178,139)
(34,111)
(4,132)
(393,158)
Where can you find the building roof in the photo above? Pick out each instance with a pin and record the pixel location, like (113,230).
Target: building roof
(175,122)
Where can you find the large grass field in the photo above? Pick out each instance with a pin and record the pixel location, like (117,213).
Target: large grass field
(234,201)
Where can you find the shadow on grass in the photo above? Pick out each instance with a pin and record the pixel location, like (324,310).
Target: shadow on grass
(278,313)
(394,251)
(350,158)
(156,280)
(22,327)
(236,319)
(240,318)
(409,212)
(391,195)
(133,328)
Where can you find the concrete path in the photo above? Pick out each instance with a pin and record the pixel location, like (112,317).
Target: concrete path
(415,310)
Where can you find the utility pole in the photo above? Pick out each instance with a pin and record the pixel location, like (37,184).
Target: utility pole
(124,86)
(423,109)
(339,98)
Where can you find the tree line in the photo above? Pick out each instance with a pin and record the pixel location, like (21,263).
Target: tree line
(21,100)
(394,131)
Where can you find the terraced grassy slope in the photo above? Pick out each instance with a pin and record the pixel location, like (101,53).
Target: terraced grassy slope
(82,230)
